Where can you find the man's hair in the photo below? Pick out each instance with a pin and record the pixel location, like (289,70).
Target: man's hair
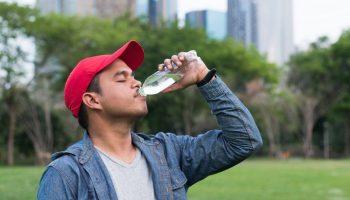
(83,117)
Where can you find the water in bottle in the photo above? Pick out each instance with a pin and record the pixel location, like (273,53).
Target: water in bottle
(161,80)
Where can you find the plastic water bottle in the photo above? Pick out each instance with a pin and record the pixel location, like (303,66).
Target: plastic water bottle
(161,80)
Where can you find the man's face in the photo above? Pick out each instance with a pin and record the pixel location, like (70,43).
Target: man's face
(119,97)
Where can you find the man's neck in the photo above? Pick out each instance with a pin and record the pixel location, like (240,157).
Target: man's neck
(113,138)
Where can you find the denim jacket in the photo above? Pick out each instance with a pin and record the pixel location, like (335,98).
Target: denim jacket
(176,161)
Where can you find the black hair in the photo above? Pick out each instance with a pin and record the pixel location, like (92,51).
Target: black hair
(83,117)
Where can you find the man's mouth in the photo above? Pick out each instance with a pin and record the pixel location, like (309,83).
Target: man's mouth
(138,95)
(143,98)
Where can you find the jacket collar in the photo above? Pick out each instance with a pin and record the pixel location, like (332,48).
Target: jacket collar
(84,149)
(88,147)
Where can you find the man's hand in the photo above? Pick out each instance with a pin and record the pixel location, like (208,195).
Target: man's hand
(193,71)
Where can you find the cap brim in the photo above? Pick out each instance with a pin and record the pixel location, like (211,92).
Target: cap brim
(131,53)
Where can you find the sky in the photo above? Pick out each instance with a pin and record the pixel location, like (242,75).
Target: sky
(312,18)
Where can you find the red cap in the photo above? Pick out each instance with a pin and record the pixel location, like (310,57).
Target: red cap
(79,79)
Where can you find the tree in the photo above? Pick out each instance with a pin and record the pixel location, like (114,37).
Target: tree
(74,38)
(340,54)
(313,79)
(275,112)
(12,19)
(61,41)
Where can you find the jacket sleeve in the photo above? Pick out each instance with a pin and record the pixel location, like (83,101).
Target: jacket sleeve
(217,150)
(53,186)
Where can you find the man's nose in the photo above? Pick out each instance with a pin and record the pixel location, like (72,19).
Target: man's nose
(136,83)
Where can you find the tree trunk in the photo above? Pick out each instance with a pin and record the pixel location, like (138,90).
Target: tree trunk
(273,150)
(271,131)
(326,147)
(11,137)
(47,111)
(39,138)
(42,157)
(308,111)
(347,138)
(308,150)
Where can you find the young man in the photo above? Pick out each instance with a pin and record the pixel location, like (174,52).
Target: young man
(112,162)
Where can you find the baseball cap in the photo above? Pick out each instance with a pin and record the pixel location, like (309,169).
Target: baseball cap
(83,73)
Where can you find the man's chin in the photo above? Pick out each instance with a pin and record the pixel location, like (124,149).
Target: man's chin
(141,114)
(133,115)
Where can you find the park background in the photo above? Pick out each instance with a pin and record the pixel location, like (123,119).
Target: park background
(298,92)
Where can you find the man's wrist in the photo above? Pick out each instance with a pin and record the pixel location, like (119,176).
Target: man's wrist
(209,76)
(202,75)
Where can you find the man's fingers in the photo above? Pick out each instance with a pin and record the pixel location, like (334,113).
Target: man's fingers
(160,67)
(167,63)
(173,63)
(181,56)
(176,60)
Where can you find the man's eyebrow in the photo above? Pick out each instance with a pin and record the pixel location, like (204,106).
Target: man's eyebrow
(121,72)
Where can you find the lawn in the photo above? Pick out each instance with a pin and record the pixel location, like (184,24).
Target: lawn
(251,180)
(282,180)
(19,182)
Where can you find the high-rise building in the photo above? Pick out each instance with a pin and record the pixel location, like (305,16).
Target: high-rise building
(169,10)
(155,11)
(242,21)
(142,8)
(213,22)
(276,29)
(162,10)
(68,7)
(114,8)
(47,6)
(152,11)
(101,8)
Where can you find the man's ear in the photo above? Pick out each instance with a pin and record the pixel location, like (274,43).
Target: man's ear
(92,100)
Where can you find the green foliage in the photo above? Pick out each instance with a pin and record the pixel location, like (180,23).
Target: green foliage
(322,71)
(309,70)
(17,17)
(340,55)
(69,39)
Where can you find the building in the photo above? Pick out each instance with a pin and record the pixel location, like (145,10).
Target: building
(100,8)
(47,6)
(142,7)
(242,21)
(213,22)
(155,11)
(114,8)
(276,29)
(162,10)
(67,7)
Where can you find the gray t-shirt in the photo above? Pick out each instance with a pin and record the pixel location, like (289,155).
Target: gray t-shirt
(131,181)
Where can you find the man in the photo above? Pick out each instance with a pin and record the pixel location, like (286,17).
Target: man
(112,162)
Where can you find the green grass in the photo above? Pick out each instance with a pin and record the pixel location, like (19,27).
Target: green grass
(282,180)
(251,180)
(19,182)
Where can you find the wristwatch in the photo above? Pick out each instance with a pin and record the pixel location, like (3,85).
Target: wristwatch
(207,78)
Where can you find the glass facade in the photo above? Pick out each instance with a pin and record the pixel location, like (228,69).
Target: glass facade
(242,21)
(141,7)
(213,22)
